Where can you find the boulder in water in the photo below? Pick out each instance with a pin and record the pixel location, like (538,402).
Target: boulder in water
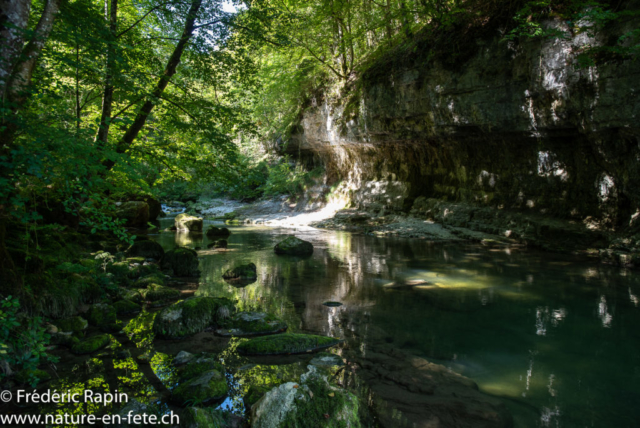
(188,223)
(283,344)
(294,247)
(191,316)
(247,271)
(91,344)
(181,261)
(72,324)
(246,324)
(213,231)
(159,295)
(312,399)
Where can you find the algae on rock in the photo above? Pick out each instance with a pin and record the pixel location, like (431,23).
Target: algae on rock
(289,343)
(294,247)
(189,317)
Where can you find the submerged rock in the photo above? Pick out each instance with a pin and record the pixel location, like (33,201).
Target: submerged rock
(189,317)
(188,223)
(182,261)
(294,246)
(221,243)
(325,359)
(91,344)
(313,399)
(183,357)
(213,232)
(282,344)
(72,324)
(247,271)
(245,324)
(147,249)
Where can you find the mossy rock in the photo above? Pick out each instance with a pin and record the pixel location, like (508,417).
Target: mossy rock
(208,387)
(144,270)
(200,417)
(146,249)
(90,263)
(214,231)
(102,315)
(221,243)
(145,281)
(120,270)
(282,344)
(294,247)
(126,307)
(91,344)
(247,324)
(199,365)
(132,260)
(255,393)
(311,403)
(27,376)
(186,222)
(247,271)
(189,317)
(72,324)
(131,295)
(158,295)
(182,261)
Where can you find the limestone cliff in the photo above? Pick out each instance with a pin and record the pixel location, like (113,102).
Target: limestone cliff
(516,126)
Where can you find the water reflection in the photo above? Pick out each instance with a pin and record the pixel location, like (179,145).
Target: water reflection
(536,329)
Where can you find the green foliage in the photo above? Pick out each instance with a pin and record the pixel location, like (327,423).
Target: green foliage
(582,16)
(23,340)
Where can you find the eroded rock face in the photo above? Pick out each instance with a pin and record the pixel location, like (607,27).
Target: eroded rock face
(136,213)
(515,126)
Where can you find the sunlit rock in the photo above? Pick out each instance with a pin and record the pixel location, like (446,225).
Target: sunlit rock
(188,223)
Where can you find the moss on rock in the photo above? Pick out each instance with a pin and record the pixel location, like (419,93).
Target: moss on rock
(182,261)
(247,271)
(207,387)
(154,278)
(158,295)
(91,344)
(213,232)
(245,324)
(294,246)
(199,417)
(146,249)
(102,315)
(126,307)
(189,317)
(290,343)
(73,324)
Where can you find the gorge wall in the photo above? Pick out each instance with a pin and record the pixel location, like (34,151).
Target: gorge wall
(516,126)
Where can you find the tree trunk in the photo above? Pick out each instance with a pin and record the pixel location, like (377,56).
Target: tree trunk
(14,17)
(20,78)
(142,116)
(107,98)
